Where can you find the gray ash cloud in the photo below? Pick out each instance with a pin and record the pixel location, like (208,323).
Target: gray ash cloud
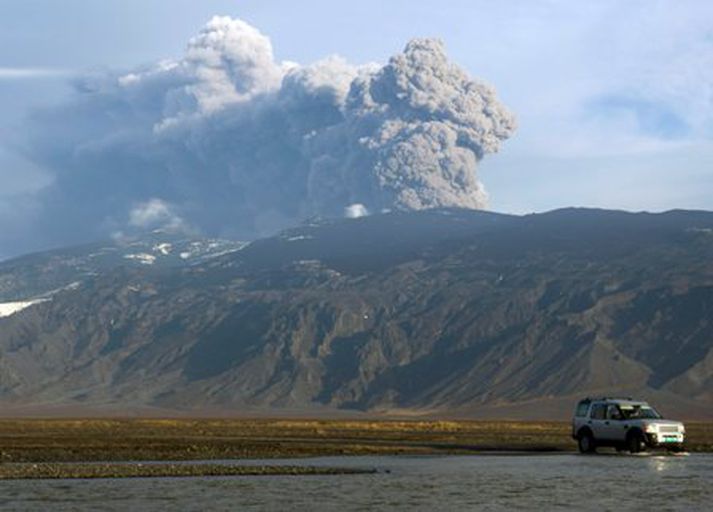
(228,141)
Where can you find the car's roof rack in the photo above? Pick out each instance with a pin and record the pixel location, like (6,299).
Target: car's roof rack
(605,398)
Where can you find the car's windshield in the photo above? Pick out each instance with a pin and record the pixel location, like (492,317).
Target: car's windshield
(638,412)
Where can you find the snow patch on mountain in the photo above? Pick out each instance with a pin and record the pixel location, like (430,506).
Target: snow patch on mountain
(201,251)
(10,308)
(164,248)
(143,258)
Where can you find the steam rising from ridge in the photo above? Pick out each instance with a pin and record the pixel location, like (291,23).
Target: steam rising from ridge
(228,141)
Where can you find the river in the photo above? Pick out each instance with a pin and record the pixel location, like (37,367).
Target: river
(480,482)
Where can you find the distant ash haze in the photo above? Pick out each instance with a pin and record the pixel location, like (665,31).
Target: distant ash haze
(226,141)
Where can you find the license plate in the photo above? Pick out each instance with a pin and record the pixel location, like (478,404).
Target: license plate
(670,439)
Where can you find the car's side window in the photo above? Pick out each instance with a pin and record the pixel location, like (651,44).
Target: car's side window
(613,412)
(599,411)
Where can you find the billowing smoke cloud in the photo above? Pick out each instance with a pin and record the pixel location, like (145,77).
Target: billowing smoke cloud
(356,210)
(155,213)
(233,143)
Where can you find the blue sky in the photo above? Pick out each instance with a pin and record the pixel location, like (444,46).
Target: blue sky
(614,99)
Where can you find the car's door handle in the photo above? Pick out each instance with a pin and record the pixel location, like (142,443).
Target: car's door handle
(606,423)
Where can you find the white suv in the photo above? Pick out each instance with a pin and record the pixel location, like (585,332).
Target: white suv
(624,424)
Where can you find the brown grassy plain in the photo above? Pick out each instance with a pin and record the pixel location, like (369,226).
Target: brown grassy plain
(83,440)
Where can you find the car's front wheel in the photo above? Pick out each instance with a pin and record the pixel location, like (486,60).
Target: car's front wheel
(586,443)
(636,442)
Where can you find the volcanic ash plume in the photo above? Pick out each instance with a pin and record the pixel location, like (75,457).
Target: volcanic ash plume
(233,143)
(412,135)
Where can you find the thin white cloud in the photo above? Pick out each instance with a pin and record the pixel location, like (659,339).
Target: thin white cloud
(556,61)
(7,73)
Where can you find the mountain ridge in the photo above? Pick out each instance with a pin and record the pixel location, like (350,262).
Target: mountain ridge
(453,311)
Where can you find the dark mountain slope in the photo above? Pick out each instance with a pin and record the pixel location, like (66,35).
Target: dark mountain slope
(444,310)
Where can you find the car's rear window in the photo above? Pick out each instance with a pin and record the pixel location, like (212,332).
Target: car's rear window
(582,408)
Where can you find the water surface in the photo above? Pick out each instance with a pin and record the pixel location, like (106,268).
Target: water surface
(483,482)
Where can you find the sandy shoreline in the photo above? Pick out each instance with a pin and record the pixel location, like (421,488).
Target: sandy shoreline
(64,470)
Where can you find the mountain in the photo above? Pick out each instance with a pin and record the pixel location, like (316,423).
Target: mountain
(39,276)
(445,311)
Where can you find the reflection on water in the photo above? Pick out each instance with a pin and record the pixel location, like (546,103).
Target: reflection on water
(539,482)
(661,464)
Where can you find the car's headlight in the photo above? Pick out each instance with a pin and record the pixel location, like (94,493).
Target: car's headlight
(650,428)
(682,429)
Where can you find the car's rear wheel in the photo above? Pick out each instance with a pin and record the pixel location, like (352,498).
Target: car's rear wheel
(636,442)
(586,443)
